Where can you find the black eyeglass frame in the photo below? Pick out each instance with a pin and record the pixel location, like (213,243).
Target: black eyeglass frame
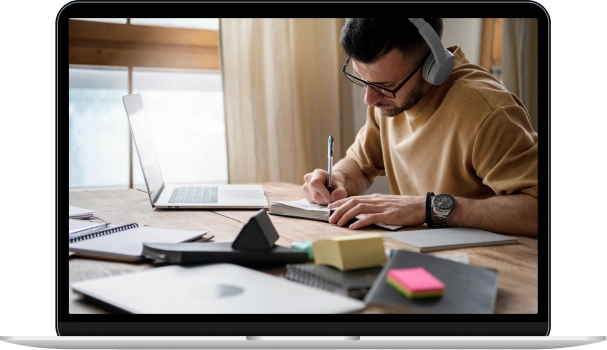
(355,80)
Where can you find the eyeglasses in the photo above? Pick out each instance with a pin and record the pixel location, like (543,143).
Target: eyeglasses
(380,90)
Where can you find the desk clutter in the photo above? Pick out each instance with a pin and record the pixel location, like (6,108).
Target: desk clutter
(341,274)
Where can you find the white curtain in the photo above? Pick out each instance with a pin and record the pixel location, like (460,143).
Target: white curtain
(520,62)
(284,95)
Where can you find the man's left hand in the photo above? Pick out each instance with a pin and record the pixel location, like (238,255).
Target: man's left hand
(379,208)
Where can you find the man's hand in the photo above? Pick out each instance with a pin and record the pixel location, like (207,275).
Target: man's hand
(380,208)
(315,187)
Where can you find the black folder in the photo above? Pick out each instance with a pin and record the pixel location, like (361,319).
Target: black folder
(220,252)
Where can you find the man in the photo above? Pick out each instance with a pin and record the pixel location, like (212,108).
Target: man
(458,154)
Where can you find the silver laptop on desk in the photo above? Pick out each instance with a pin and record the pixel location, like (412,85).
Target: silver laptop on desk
(164,195)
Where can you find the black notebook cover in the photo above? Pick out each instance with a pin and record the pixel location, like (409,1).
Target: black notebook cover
(468,289)
(219,252)
(353,283)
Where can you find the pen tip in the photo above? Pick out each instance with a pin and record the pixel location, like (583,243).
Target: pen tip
(330,138)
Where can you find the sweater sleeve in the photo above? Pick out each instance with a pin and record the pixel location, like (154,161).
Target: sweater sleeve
(505,153)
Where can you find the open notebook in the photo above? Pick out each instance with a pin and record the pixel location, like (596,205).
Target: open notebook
(305,210)
(182,195)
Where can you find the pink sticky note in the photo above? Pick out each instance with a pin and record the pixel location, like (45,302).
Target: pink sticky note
(416,280)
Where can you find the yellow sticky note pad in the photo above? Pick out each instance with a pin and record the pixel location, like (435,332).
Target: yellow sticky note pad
(350,252)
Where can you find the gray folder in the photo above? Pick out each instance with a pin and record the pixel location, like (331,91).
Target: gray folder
(468,289)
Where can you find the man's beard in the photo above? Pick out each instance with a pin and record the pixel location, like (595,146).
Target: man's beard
(414,96)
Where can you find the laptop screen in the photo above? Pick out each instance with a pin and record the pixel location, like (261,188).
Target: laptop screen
(144,144)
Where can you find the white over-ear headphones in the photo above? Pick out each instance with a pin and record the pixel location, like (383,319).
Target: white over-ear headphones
(439,65)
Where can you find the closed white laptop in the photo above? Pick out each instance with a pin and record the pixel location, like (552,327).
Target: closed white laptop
(165,195)
(212,289)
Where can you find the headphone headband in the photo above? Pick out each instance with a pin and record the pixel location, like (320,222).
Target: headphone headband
(438,66)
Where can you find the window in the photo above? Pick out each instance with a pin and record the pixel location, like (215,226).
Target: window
(176,70)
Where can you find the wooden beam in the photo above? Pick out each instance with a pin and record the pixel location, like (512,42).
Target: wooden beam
(112,44)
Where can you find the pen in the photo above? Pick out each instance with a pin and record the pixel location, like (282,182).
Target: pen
(88,230)
(330,166)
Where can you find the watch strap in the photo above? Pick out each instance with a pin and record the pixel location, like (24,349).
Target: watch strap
(429,220)
(441,221)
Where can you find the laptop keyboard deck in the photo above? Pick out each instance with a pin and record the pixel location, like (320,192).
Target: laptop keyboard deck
(187,194)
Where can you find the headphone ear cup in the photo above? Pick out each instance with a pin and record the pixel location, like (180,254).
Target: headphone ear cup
(435,73)
(427,69)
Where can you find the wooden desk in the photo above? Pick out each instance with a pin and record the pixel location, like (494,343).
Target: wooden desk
(516,263)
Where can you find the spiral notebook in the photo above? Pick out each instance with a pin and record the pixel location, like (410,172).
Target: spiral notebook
(125,242)
(352,283)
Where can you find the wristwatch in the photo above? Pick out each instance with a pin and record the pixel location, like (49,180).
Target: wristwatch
(442,205)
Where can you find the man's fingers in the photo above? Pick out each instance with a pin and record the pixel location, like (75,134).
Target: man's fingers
(318,185)
(314,187)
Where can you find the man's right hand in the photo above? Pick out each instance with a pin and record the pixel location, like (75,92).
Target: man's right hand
(316,191)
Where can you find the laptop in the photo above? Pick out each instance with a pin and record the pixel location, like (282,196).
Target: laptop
(212,289)
(174,196)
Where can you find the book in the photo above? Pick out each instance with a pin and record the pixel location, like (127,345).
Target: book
(353,283)
(305,210)
(468,289)
(80,213)
(125,242)
(449,238)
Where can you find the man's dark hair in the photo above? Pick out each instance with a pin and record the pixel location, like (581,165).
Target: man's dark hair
(368,39)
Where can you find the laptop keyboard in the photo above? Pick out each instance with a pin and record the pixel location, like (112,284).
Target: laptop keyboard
(206,194)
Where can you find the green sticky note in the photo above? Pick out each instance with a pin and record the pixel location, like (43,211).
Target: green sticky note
(304,246)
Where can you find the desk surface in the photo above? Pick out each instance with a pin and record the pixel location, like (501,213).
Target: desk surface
(516,263)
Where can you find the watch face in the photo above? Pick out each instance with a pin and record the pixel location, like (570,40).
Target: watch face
(443,202)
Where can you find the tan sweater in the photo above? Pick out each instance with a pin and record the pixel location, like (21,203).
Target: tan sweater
(468,137)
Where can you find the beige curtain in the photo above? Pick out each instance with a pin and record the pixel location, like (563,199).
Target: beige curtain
(520,63)
(284,95)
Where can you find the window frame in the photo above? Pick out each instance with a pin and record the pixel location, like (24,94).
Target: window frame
(97,44)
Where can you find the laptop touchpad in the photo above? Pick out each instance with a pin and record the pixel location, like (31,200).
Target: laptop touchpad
(239,194)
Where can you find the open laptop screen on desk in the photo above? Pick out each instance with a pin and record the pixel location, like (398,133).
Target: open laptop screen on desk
(183,195)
